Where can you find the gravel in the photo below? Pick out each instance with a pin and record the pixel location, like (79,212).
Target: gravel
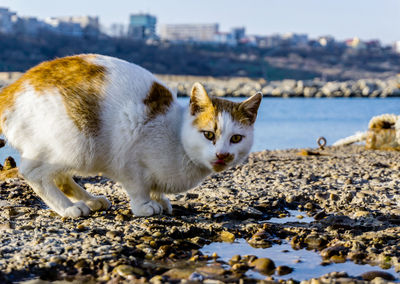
(352,193)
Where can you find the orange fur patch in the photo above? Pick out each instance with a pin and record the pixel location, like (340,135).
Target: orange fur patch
(158,100)
(79,82)
(208,114)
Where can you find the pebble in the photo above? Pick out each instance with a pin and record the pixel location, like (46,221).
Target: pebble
(127,270)
(211,270)
(371,275)
(179,273)
(284,270)
(263,265)
(226,236)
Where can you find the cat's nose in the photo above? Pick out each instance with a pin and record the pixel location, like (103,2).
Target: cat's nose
(222,156)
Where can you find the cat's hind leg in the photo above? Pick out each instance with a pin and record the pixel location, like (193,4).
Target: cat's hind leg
(76,193)
(40,176)
(163,200)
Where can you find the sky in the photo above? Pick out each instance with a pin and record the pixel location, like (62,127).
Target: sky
(343,19)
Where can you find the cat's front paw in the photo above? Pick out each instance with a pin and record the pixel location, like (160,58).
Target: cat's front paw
(166,204)
(98,203)
(147,209)
(78,209)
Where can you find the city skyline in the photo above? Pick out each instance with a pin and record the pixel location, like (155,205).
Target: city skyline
(368,19)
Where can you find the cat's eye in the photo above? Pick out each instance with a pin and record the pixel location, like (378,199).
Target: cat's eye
(209,135)
(236,138)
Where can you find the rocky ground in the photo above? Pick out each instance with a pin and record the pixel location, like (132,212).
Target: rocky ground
(353,195)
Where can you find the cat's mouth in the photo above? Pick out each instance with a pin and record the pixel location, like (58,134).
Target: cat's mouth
(222,161)
(219,165)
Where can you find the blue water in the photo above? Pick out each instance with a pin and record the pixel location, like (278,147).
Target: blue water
(306,263)
(298,122)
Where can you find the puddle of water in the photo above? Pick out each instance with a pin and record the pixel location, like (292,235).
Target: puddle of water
(306,264)
(294,216)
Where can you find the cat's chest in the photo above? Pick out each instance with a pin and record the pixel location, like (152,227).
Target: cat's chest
(176,178)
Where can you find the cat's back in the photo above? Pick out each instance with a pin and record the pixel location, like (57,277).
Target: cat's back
(84,88)
(80,100)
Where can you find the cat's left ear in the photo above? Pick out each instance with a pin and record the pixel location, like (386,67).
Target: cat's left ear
(250,107)
(199,99)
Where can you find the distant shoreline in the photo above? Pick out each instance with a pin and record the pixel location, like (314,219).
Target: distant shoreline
(245,87)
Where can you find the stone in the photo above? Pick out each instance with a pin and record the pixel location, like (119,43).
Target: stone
(211,270)
(284,270)
(334,250)
(371,275)
(235,259)
(263,265)
(127,270)
(315,241)
(227,237)
(9,163)
(179,273)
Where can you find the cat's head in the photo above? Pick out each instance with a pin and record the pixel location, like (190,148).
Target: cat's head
(219,133)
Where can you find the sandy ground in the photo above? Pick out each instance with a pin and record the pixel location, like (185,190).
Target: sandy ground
(353,195)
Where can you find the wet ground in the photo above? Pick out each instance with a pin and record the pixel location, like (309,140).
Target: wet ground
(278,217)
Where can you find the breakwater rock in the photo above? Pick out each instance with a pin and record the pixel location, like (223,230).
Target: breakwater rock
(244,87)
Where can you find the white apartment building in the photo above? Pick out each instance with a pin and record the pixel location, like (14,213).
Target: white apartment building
(189,32)
(396,46)
(74,25)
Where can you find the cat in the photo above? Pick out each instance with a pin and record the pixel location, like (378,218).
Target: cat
(383,134)
(89,113)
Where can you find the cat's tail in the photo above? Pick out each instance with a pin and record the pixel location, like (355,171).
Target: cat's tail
(358,137)
(383,121)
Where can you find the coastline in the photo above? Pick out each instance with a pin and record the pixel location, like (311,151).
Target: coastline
(351,193)
(246,87)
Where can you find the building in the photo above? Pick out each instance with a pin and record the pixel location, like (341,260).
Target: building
(238,33)
(27,25)
(225,38)
(76,25)
(189,32)
(396,46)
(355,43)
(271,41)
(60,26)
(293,39)
(6,24)
(142,26)
(326,41)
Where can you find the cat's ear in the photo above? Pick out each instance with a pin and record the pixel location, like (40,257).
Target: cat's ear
(249,107)
(199,99)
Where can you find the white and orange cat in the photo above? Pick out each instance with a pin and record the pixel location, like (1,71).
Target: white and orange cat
(90,113)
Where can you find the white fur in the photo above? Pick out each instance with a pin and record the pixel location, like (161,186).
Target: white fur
(357,137)
(148,158)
